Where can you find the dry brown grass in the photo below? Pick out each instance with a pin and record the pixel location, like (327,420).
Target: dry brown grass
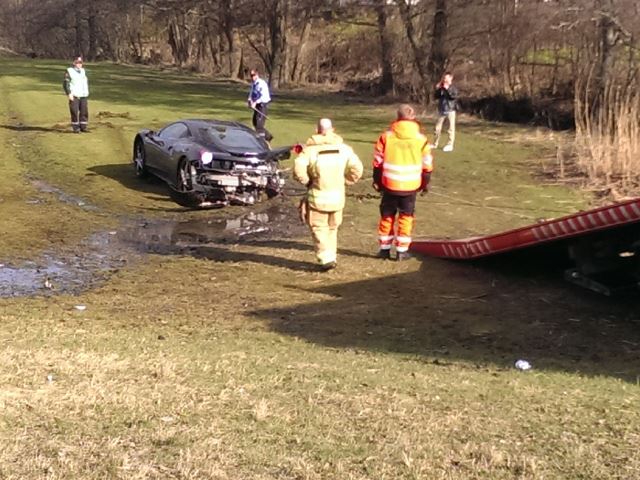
(305,384)
(608,136)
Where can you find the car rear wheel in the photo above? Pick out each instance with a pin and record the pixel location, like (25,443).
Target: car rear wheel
(140,159)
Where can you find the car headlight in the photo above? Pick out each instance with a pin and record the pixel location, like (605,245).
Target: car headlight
(206,157)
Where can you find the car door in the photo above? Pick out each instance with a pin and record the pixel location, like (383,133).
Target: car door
(165,162)
(153,149)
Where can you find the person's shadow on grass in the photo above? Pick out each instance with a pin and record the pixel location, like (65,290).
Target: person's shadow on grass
(448,311)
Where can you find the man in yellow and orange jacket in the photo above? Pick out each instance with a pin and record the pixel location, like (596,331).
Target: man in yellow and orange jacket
(325,165)
(402,166)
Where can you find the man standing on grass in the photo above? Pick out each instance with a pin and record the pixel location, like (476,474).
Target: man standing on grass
(259,98)
(402,166)
(324,166)
(76,87)
(446,95)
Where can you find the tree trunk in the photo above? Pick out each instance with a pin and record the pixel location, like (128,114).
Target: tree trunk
(93,33)
(418,54)
(278,41)
(213,43)
(179,40)
(439,55)
(79,38)
(297,67)
(234,52)
(608,39)
(386,77)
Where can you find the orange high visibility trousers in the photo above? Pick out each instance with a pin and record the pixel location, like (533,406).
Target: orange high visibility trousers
(402,206)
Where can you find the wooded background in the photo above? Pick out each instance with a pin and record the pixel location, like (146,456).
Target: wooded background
(562,63)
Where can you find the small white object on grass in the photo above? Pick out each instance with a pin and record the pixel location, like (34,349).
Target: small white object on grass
(80,307)
(523,365)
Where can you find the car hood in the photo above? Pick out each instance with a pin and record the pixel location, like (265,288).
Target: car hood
(279,153)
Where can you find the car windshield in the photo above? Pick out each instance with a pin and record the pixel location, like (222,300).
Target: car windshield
(233,138)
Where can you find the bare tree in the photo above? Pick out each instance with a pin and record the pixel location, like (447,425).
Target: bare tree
(439,55)
(418,51)
(386,78)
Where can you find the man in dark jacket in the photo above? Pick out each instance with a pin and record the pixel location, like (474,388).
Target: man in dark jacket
(446,95)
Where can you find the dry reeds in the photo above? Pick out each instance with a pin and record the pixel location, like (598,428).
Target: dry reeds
(608,134)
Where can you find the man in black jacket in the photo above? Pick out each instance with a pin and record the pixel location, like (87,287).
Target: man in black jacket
(446,95)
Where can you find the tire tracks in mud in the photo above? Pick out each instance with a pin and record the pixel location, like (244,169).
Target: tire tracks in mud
(56,270)
(95,259)
(105,241)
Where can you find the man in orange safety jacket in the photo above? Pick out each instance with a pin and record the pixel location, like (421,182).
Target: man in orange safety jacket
(402,166)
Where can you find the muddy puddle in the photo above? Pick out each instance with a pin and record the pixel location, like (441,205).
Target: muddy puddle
(275,222)
(104,253)
(61,195)
(56,273)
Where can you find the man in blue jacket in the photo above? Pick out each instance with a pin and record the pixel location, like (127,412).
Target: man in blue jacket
(259,98)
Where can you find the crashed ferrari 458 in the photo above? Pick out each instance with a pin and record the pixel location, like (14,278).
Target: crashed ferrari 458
(209,163)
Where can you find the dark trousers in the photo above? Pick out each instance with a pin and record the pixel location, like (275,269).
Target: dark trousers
(79,110)
(393,203)
(260,119)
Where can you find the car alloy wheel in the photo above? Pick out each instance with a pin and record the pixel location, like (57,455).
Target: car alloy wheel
(186,172)
(183,193)
(139,160)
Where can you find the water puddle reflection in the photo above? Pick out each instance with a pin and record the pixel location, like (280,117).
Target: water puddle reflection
(106,252)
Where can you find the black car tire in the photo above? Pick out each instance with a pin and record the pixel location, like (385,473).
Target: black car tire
(272,192)
(183,193)
(140,159)
(183,176)
(273,187)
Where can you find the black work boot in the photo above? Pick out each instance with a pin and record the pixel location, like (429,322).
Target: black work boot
(325,267)
(384,254)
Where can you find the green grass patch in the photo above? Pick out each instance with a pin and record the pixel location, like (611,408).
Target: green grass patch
(236,360)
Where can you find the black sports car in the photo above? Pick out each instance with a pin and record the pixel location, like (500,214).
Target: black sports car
(210,162)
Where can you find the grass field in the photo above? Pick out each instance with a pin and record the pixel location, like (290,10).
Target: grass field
(236,360)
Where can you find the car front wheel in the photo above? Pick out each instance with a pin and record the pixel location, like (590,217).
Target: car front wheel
(186,172)
(183,193)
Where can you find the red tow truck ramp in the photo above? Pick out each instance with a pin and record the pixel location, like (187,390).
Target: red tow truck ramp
(603,243)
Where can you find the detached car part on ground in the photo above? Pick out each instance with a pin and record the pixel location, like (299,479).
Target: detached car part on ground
(209,163)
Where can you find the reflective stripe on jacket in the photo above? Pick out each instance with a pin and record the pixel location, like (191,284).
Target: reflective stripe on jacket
(77,82)
(403,154)
(325,165)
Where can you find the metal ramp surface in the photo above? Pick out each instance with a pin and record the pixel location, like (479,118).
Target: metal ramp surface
(603,242)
